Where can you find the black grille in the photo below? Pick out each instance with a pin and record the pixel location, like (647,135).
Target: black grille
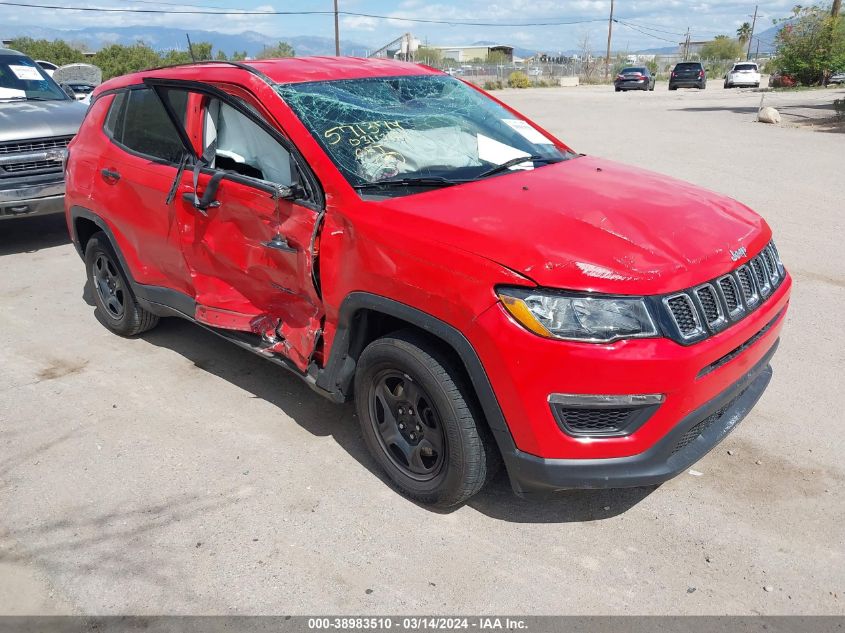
(728,286)
(595,421)
(739,349)
(694,432)
(710,303)
(724,300)
(682,312)
(19,147)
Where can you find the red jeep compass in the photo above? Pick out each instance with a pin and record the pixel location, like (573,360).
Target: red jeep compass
(390,233)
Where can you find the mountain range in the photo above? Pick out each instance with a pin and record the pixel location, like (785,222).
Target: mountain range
(167,38)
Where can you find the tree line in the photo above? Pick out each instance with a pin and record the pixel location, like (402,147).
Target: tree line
(119,59)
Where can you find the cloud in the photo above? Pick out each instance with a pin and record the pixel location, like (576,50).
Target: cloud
(359,23)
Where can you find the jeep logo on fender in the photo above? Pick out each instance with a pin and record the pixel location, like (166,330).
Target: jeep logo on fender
(738,253)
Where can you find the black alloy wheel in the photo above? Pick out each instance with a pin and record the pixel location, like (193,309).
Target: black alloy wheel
(407,425)
(109,286)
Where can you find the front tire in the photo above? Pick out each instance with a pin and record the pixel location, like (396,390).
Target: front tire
(419,421)
(115,305)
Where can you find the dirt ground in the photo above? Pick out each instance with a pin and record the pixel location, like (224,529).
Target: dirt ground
(176,473)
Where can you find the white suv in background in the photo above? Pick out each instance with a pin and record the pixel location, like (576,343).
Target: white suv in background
(743,74)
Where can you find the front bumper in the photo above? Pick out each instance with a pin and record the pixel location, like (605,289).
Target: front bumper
(692,438)
(30,200)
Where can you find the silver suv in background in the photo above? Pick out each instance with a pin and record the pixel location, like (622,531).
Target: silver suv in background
(37,121)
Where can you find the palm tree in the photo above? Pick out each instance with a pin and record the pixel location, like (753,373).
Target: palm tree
(743,33)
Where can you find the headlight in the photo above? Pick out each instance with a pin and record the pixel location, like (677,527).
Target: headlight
(579,317)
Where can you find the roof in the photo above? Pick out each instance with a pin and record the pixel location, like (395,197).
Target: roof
(9,51)
(301,69)
(287,70)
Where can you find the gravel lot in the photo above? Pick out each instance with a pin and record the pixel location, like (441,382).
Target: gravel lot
(175,473)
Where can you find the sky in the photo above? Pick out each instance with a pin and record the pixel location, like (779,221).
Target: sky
(650,23)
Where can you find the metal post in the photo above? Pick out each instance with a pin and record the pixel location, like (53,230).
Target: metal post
(336,32)
(609,36)
(751,37)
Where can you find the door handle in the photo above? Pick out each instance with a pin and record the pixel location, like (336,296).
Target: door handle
(279,243)
(111,176)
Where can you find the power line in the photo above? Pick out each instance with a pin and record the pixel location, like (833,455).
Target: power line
(224,12)
(650,35)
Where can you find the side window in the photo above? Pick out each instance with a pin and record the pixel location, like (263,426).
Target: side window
(138,121)
(243,146)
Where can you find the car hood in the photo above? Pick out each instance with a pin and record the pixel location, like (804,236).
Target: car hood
(39,119)
(590,224)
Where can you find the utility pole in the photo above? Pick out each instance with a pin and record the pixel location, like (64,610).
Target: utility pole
(751,37)
(336,32)
(686,45)
(609,36)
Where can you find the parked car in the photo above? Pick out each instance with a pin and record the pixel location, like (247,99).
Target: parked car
(837,78)
(37,121)
(48,67)
(688,75)
(389,234)
(780,80)
(743,74)
(634,78)
(81,90)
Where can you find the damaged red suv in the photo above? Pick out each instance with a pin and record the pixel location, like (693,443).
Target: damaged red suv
(391,234)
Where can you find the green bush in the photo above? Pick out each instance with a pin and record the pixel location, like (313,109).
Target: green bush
(518,79)
(492,85)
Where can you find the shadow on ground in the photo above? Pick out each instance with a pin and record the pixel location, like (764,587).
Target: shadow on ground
(28,235)
(323,418)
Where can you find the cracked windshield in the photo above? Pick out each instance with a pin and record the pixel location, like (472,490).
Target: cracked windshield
(416,130)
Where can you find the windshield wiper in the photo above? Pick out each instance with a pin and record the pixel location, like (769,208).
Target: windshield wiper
(428,181)
(25,98)
(517,161)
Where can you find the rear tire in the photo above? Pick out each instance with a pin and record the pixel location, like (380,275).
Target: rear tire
(115,303)
(419,421)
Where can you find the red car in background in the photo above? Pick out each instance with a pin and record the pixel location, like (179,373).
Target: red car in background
(394,235)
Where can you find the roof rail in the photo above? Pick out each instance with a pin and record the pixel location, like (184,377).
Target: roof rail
(242,66)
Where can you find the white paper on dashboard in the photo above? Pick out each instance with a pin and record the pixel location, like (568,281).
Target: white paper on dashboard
(492,151)
(530,133)
(27,73)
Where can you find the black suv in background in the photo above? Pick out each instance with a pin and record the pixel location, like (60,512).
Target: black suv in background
(688,75)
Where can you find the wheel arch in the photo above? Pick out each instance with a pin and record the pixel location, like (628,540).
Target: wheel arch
(84,224)
(364,317)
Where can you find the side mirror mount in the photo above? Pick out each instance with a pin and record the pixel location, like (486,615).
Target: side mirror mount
(68,91)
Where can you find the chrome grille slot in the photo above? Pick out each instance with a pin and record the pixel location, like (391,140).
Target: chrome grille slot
(731,294)
(747,285)
(761,276)
(713,314)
